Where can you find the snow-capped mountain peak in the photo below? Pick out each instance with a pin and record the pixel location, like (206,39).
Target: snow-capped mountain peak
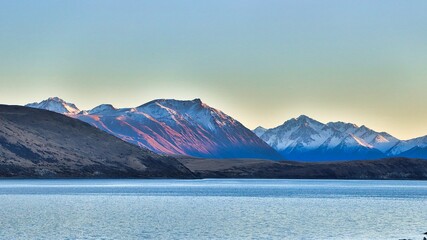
(103,108)
(259,131)
(343,126)
(303,118)
(406,145)
(191,110)
(56,104)
(191,127)
(304,138)
(183,127)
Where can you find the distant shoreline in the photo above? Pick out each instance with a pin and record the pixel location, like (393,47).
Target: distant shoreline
(383,169)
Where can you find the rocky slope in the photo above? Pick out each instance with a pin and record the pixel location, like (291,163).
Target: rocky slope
(39,143)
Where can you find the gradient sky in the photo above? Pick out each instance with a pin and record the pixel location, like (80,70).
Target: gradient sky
(262,62)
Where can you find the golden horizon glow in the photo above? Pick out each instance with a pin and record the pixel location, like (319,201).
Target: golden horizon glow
(261,62)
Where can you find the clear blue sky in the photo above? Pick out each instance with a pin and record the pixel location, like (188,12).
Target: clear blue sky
(261,62)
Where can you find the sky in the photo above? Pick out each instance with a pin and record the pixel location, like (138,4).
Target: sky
(261,62)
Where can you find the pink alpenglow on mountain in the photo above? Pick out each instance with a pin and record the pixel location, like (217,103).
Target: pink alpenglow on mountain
(55,104)
(175,127)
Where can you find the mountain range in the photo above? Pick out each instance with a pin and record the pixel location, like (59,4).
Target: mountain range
(36,143)
(173,127)
(305,139)
(192,128)
(43,144)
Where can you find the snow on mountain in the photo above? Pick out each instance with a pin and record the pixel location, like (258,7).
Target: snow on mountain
(180,127)
(196,129)
(55,104)
(343,127)
(306,139)
(259,131)
(103,108)
(302,134)
(378,140)
(403,147)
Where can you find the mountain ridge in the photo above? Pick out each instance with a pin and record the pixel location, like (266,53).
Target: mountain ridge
(44,144)
(306,139)
(178,127)
(193,128)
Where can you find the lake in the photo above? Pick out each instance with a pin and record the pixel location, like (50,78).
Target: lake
(212,209)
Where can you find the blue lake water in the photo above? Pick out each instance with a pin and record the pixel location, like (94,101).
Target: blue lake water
(212,209)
